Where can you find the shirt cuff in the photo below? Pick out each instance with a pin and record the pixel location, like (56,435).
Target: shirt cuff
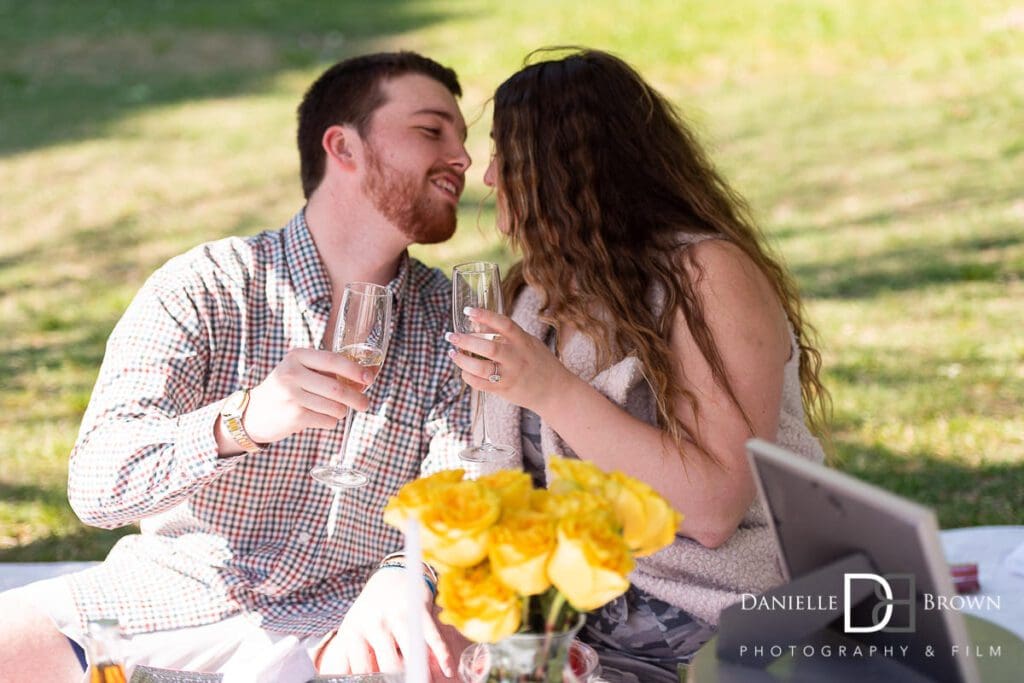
(195,440)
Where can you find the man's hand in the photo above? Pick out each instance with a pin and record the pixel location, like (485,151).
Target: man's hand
(308,388)
(375,632)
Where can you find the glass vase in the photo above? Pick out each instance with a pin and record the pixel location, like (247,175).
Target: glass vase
(531,658)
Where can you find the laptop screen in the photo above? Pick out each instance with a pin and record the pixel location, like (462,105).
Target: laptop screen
(820,515)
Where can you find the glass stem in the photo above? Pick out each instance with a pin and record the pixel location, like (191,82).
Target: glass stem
(481,398)
(339,458)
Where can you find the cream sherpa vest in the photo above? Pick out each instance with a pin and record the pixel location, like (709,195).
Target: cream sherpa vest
(697,579)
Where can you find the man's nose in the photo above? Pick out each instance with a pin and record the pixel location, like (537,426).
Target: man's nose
(460,159)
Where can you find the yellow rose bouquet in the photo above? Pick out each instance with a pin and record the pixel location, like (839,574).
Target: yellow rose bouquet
(517,559)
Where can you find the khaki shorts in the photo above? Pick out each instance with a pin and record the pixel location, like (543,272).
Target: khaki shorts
(235,647)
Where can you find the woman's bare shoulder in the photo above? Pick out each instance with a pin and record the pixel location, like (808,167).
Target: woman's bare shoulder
(738,298)
(714,265)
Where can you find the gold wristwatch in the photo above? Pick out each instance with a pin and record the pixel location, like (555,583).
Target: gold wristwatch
(231,411)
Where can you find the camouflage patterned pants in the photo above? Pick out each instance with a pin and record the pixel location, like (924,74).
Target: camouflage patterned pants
(641,639)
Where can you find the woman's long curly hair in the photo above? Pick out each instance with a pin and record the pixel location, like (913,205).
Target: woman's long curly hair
(597,177)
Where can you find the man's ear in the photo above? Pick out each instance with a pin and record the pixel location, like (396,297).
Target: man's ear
(339,143)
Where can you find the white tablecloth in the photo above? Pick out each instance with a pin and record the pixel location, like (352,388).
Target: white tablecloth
(14,574)
(989,547)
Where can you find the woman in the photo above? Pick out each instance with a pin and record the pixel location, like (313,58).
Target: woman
(650,332)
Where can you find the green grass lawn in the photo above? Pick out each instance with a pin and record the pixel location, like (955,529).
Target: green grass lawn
(881,145)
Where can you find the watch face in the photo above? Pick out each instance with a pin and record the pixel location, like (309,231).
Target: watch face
(234,403)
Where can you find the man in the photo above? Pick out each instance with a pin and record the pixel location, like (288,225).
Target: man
(218,393)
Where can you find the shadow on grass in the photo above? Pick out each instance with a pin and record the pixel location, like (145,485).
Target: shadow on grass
(961,203)
(81,350)
(966,496)
(88,244)
(110,250)
(83,545)
(909,268)
(889,367)
(883,219)
(23,493)
(70,69)
(118,251)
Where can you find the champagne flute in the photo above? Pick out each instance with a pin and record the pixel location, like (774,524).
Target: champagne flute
(361,335)
(478,285)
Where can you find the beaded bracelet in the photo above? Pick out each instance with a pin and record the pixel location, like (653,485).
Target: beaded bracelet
(398,565)
(400,555)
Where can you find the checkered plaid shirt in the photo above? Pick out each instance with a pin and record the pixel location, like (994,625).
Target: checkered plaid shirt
(222,536)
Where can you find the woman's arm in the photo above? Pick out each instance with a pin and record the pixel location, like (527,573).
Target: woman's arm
(750,330)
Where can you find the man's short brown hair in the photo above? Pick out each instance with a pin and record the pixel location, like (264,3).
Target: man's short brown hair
(347,94)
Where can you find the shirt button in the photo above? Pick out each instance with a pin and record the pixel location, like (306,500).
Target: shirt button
(304,537)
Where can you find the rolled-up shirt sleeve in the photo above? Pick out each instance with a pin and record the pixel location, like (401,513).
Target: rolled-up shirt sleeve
(147,438)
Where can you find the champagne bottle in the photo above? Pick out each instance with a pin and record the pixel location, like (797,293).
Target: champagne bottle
(103,641)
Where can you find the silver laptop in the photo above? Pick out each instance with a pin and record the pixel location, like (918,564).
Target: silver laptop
(820,515)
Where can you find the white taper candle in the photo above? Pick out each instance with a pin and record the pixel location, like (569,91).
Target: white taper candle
(416,658)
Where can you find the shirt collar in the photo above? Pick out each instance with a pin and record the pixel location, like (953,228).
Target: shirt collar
(397,284)
(309,276)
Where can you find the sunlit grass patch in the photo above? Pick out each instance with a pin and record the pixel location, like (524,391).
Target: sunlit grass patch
(879,145)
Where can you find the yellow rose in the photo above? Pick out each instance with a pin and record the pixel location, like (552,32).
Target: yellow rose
(457,523)
(590,563)
(571,474)
(648,522)
(576,503)
(514,487)
(480,606)
(540,500)
(417,495)
(520,547)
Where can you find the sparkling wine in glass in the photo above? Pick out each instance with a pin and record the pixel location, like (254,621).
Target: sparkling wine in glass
(478,285)
(361,335)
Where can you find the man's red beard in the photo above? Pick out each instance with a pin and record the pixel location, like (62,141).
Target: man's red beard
(406,201)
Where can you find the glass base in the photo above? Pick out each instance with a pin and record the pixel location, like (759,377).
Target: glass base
(488,453)
(339,477)
(533,657)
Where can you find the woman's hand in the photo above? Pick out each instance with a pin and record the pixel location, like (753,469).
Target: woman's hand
(530,374)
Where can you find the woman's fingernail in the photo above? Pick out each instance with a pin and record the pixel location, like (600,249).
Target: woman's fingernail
(468,310)
(448,336)
(451,353)
(367,376)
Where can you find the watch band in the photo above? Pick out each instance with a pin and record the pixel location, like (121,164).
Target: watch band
(232,412)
